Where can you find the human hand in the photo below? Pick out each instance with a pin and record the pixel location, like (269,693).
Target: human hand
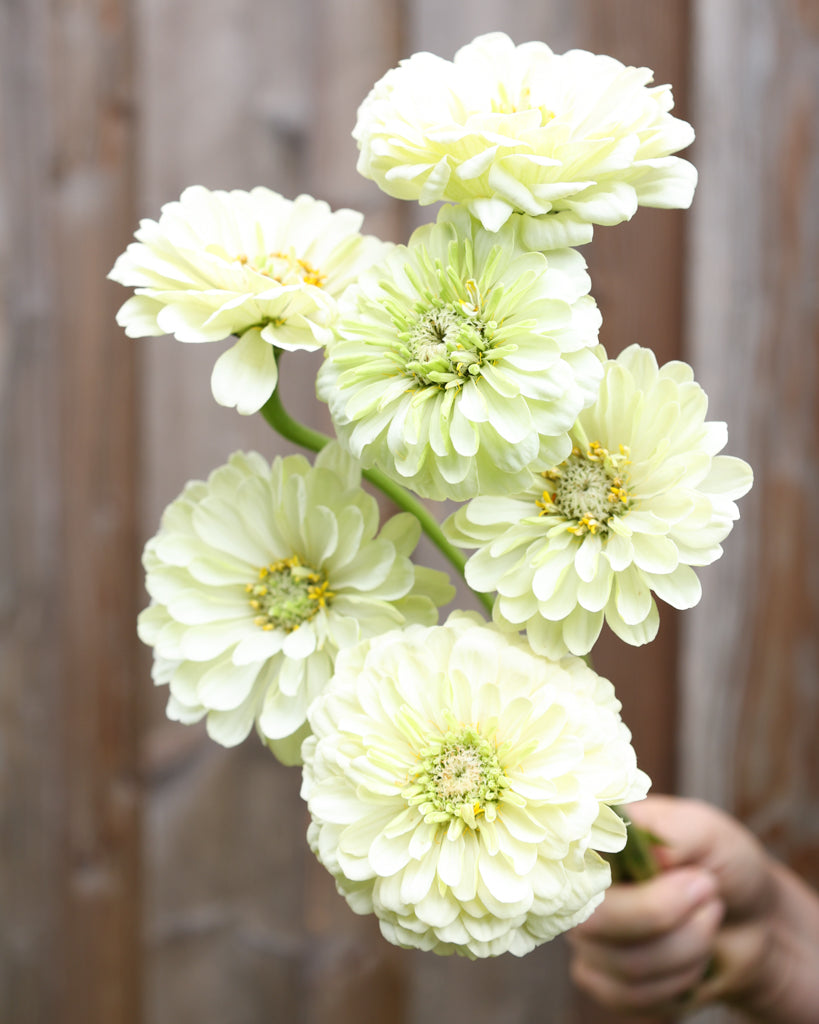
(722,921)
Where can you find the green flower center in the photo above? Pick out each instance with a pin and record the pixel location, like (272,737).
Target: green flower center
(460,776)
(589,489)
(449,333)
(287,594)
(446,343)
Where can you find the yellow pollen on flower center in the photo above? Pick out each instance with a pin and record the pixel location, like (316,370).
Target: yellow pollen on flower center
(286,268)
(589,489)
(287,593)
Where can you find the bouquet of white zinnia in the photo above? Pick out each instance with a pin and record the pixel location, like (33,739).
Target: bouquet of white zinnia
(463,780)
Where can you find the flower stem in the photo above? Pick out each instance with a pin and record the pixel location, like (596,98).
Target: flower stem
(636,862)
(284,424)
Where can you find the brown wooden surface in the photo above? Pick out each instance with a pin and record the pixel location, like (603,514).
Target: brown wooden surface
(750,665)
(170,881)
(71,839)
(29,542)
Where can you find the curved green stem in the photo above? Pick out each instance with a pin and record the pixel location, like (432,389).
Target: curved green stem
(284,424)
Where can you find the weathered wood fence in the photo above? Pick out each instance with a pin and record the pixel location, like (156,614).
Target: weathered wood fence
(148,877)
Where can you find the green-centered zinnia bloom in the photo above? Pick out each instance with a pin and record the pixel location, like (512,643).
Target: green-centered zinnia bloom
(564,141)
(253,264)
(461,358)
(259,576)
(642,498)
(460,787)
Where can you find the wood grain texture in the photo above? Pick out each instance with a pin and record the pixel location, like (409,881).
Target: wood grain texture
(30,663)
(752,663)
(751,654)
(90,211)
(71,820)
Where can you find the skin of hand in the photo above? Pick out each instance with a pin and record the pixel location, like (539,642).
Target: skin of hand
(723,921)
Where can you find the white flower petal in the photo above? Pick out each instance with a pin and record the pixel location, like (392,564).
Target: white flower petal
(620,552)
(729,476)
(654,554)
(224,688)
(499,877)
(300,643)
(593,595)
(638,633)
(231,727)
(587,557)
(632,596)
(245,376)
(680,588)
(581,628)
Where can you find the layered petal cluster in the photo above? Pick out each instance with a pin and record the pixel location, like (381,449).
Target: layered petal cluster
(563,140)
(259,576)
(462,358)
(643,497)
(460,787)
(254,264)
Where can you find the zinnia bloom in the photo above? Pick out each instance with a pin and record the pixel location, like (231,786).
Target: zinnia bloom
(460,787)
(259,576)
(566,141)
(248,263)
(462,358)
(643,497)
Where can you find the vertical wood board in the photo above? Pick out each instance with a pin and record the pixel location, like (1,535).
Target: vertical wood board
(70,718)
(750,714)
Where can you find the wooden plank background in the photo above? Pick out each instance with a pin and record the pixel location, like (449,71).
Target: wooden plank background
(149,877)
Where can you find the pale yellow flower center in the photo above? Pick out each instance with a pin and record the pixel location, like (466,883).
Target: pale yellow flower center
(460,776)
(287,593)
(284,267)
(589,489)
(459,773)
(507,103)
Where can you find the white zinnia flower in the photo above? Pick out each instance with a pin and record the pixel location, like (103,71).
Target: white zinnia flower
(259,576)
(461,358)
(565,140)
(460,786)
(643,497)
(254,264)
